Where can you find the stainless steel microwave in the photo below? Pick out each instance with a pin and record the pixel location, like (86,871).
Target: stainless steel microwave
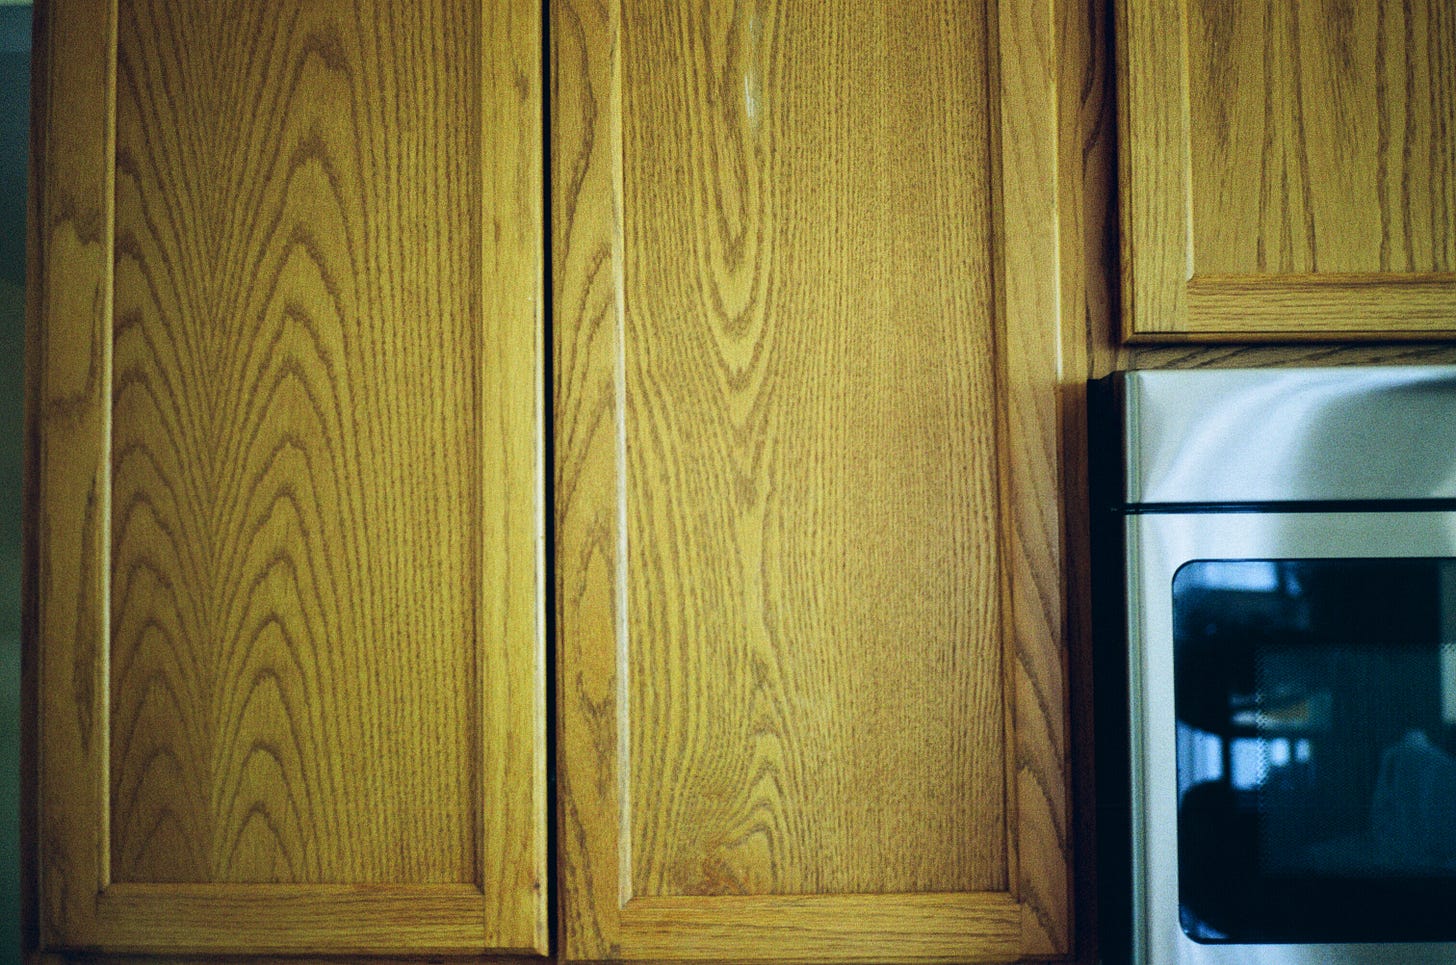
(1275,685)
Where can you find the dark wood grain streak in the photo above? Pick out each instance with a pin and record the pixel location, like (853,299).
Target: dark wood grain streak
(32,502)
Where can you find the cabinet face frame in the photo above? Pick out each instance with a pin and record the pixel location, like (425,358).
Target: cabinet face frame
(1165,298)
(600,917)
(73,902)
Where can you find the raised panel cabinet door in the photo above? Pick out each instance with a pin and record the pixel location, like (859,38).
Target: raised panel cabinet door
(811,699)
(1288,169)
(285,494)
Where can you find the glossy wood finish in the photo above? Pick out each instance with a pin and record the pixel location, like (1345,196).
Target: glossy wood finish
(287,477)
(1289,170)
(810,680)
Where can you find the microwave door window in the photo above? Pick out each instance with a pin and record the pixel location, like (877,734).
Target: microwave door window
(1316,749)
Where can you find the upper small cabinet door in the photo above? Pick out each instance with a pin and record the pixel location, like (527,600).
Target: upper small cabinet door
(811,699)
(285,491)
(1288,169)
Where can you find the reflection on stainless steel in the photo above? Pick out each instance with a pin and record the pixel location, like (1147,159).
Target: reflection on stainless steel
(1157,546)
(1299,434)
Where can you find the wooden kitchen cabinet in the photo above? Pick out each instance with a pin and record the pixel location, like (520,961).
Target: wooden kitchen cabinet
(1288,170)
(286,480)
(285,526)
(811,694)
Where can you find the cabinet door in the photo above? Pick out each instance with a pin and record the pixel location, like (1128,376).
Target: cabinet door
(1289,170)
(285,490)
(810,676)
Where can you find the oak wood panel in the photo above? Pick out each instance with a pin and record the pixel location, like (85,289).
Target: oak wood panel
(845,928)
(1030,294)
(1309,148)
(810,457)
(1369,306)
(292,560)
(300,705)
(70,333)
(274,919)
(83,958)
(1154,168)
(1189,356)
(513,539)
(1324,136)
(783,337)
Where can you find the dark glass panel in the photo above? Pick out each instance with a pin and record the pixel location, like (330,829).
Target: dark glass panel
(1316,706)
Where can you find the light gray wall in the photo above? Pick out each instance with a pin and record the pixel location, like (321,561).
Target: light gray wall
(14,140)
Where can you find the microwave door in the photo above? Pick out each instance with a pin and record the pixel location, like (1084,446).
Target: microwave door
(1292,681)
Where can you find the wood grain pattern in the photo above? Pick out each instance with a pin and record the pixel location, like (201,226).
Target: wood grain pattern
(310,653)
(811,468)
(70,300)
(843,928)
(1030,395)
(292,561)
(1256,355)
(1154,166)
(810,640)
(512,619)
(1325,136)
(594,873)
(1308,146)
(1344,306)
(59,958)
(272,919)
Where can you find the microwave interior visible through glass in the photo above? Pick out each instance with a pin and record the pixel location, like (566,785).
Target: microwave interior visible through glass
(1316,745)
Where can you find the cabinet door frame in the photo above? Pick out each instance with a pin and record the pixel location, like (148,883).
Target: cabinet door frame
(1165,299)
(601,918)
(72,901)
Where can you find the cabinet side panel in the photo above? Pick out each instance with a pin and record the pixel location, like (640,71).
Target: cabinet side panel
(296,444)
(813,572)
